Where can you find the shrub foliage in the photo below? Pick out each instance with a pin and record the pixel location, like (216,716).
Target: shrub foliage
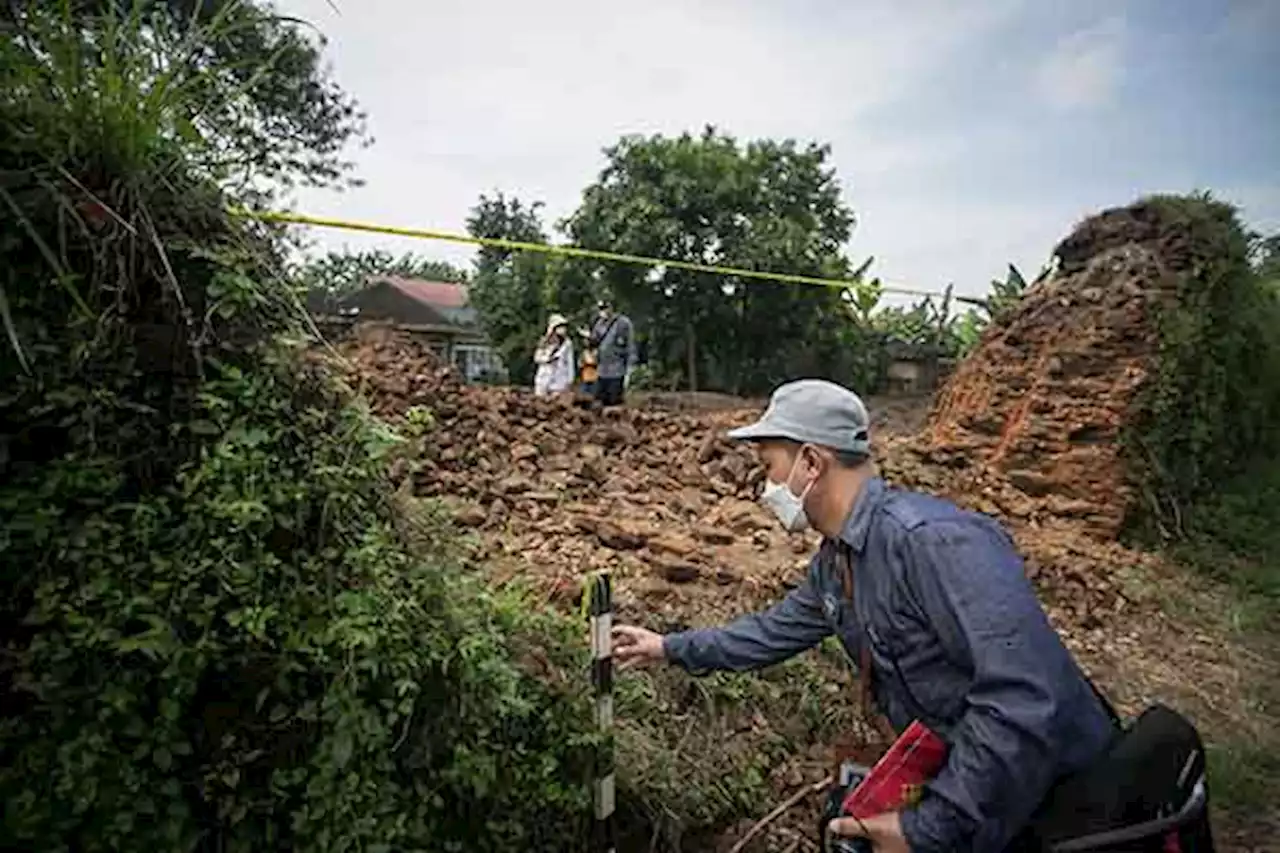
(215,635)
(1212,406)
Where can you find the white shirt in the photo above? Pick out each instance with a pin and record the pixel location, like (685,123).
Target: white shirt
(555,367)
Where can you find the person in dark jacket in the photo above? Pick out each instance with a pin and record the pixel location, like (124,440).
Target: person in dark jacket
(950,625)
(614,339)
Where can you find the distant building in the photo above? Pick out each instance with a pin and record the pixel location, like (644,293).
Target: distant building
(435,312)
(914,368)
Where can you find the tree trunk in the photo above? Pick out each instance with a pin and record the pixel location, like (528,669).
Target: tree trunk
(743,347)
(691,354)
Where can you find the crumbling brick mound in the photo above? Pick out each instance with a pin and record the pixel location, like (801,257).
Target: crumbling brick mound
(389,367)
(1045,395)
(659,498)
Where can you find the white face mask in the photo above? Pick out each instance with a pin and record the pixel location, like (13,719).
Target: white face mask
(786,504)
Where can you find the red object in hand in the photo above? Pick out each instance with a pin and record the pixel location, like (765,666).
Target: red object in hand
(897,779)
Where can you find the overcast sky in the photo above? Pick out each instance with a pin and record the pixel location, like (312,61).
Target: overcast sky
(966,134)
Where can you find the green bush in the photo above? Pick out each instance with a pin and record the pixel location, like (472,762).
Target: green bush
(215,634)
(1211,409)
(1233,535)
(249,657)
(221,628)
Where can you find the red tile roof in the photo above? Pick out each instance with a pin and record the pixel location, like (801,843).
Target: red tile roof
(437,294)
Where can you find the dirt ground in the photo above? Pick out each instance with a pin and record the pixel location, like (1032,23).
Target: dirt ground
(655,494)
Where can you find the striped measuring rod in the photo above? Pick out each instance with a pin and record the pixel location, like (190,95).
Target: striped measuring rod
(601,596)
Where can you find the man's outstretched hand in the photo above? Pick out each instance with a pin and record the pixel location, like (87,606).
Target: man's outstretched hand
(636,647)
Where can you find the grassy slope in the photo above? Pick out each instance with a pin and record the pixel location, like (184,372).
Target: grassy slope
(1233,558)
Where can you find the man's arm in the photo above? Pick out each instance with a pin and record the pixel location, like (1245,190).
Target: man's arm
(969,581)
(787,628)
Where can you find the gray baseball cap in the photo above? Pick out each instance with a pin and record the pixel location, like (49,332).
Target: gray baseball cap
(813,411)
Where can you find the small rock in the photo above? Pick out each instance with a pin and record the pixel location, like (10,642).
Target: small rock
(617,537)
(497,510)
(1036,485)
(1069,508)
(714,535)
(691,475)
(707,450)
(623,433)
(676,571)
(472,516)
(734,469)
(515,484)
(676,544)
(746,518)
(726,577)
(521,451)
(723,488)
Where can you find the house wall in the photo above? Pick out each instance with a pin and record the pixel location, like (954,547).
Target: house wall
(466,350)
(913,375)
(463,348)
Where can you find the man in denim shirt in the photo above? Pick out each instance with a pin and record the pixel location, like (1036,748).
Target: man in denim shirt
(953,630)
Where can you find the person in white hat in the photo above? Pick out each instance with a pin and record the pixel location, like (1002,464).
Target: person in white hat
(554,358)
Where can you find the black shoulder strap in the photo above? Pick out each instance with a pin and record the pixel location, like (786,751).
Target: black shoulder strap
(596,340)
(609,328)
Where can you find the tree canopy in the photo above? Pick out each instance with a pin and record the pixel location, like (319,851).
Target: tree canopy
(337,274)
(510,289)
(1265,255)
(709,199)
(242,86)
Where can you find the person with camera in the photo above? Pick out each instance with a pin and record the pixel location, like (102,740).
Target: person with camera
(612,339)
(933,604)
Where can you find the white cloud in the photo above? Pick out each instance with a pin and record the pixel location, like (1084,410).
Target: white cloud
(476,97)
(965,241)
(1084,69)
(518,97)
(1259,205)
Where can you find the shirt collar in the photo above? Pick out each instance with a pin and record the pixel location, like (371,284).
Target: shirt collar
(858,524)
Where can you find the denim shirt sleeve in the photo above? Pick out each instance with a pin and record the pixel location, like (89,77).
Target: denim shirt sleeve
(968,579)
(794,624)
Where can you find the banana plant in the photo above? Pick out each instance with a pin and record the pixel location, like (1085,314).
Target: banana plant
(1006,293)
(864,298)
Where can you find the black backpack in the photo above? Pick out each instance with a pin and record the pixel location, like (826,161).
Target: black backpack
(1147,793)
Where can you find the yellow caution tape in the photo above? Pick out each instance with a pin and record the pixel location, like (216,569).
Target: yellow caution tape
(577,252)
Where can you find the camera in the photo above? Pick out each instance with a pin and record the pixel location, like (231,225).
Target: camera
(850,776)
